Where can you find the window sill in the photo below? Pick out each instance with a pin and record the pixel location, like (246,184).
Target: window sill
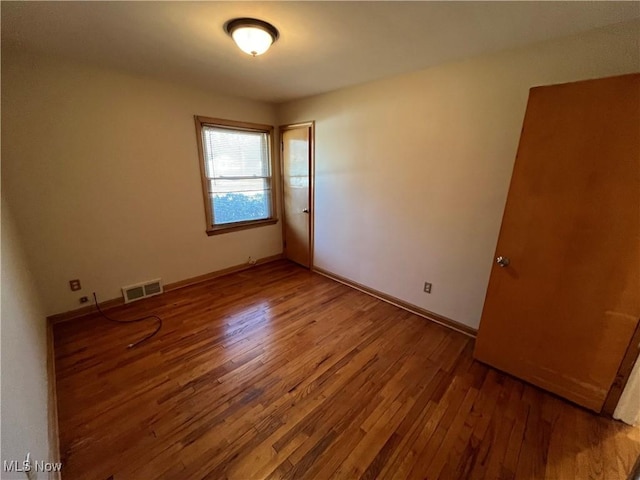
(234,227)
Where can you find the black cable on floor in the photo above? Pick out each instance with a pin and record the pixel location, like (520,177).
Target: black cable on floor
(144,339)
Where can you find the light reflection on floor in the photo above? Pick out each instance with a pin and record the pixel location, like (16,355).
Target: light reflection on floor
(255,319)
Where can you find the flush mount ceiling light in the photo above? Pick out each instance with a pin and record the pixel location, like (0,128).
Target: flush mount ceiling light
(252,36)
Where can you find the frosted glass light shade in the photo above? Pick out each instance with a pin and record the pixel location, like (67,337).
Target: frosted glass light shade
(252,36)
(252,40)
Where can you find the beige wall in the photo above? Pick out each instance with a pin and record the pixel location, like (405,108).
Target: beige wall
(412,172)
(102,170)
(24,355)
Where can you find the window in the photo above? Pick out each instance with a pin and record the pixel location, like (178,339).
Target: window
(235,162)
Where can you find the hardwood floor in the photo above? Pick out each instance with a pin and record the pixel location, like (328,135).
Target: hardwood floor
(276,372)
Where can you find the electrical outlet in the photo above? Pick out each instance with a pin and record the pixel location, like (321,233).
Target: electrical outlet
(251,261)
(84,299)
(427,287)
(74,285)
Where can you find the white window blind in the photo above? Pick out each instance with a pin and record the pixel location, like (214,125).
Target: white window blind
(237,169)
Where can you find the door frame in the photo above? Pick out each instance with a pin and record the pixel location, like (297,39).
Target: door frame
(311,125)
(624,373)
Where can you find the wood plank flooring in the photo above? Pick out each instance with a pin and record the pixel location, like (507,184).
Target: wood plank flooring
(276,372)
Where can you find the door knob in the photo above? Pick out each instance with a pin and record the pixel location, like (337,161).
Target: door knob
(503,261)
(306,210)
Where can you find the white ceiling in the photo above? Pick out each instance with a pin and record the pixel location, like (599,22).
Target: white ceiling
(323,46)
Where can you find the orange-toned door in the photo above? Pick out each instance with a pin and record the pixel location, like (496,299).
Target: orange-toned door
(564,293)
(296,173)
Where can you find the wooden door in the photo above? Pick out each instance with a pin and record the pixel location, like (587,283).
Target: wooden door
(296,173)
(562,312)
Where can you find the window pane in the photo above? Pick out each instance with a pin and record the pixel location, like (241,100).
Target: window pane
(235,153)
(239,206)
(237,167)
(245,185)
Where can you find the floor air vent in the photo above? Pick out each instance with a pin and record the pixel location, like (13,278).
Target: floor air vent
(142,290)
